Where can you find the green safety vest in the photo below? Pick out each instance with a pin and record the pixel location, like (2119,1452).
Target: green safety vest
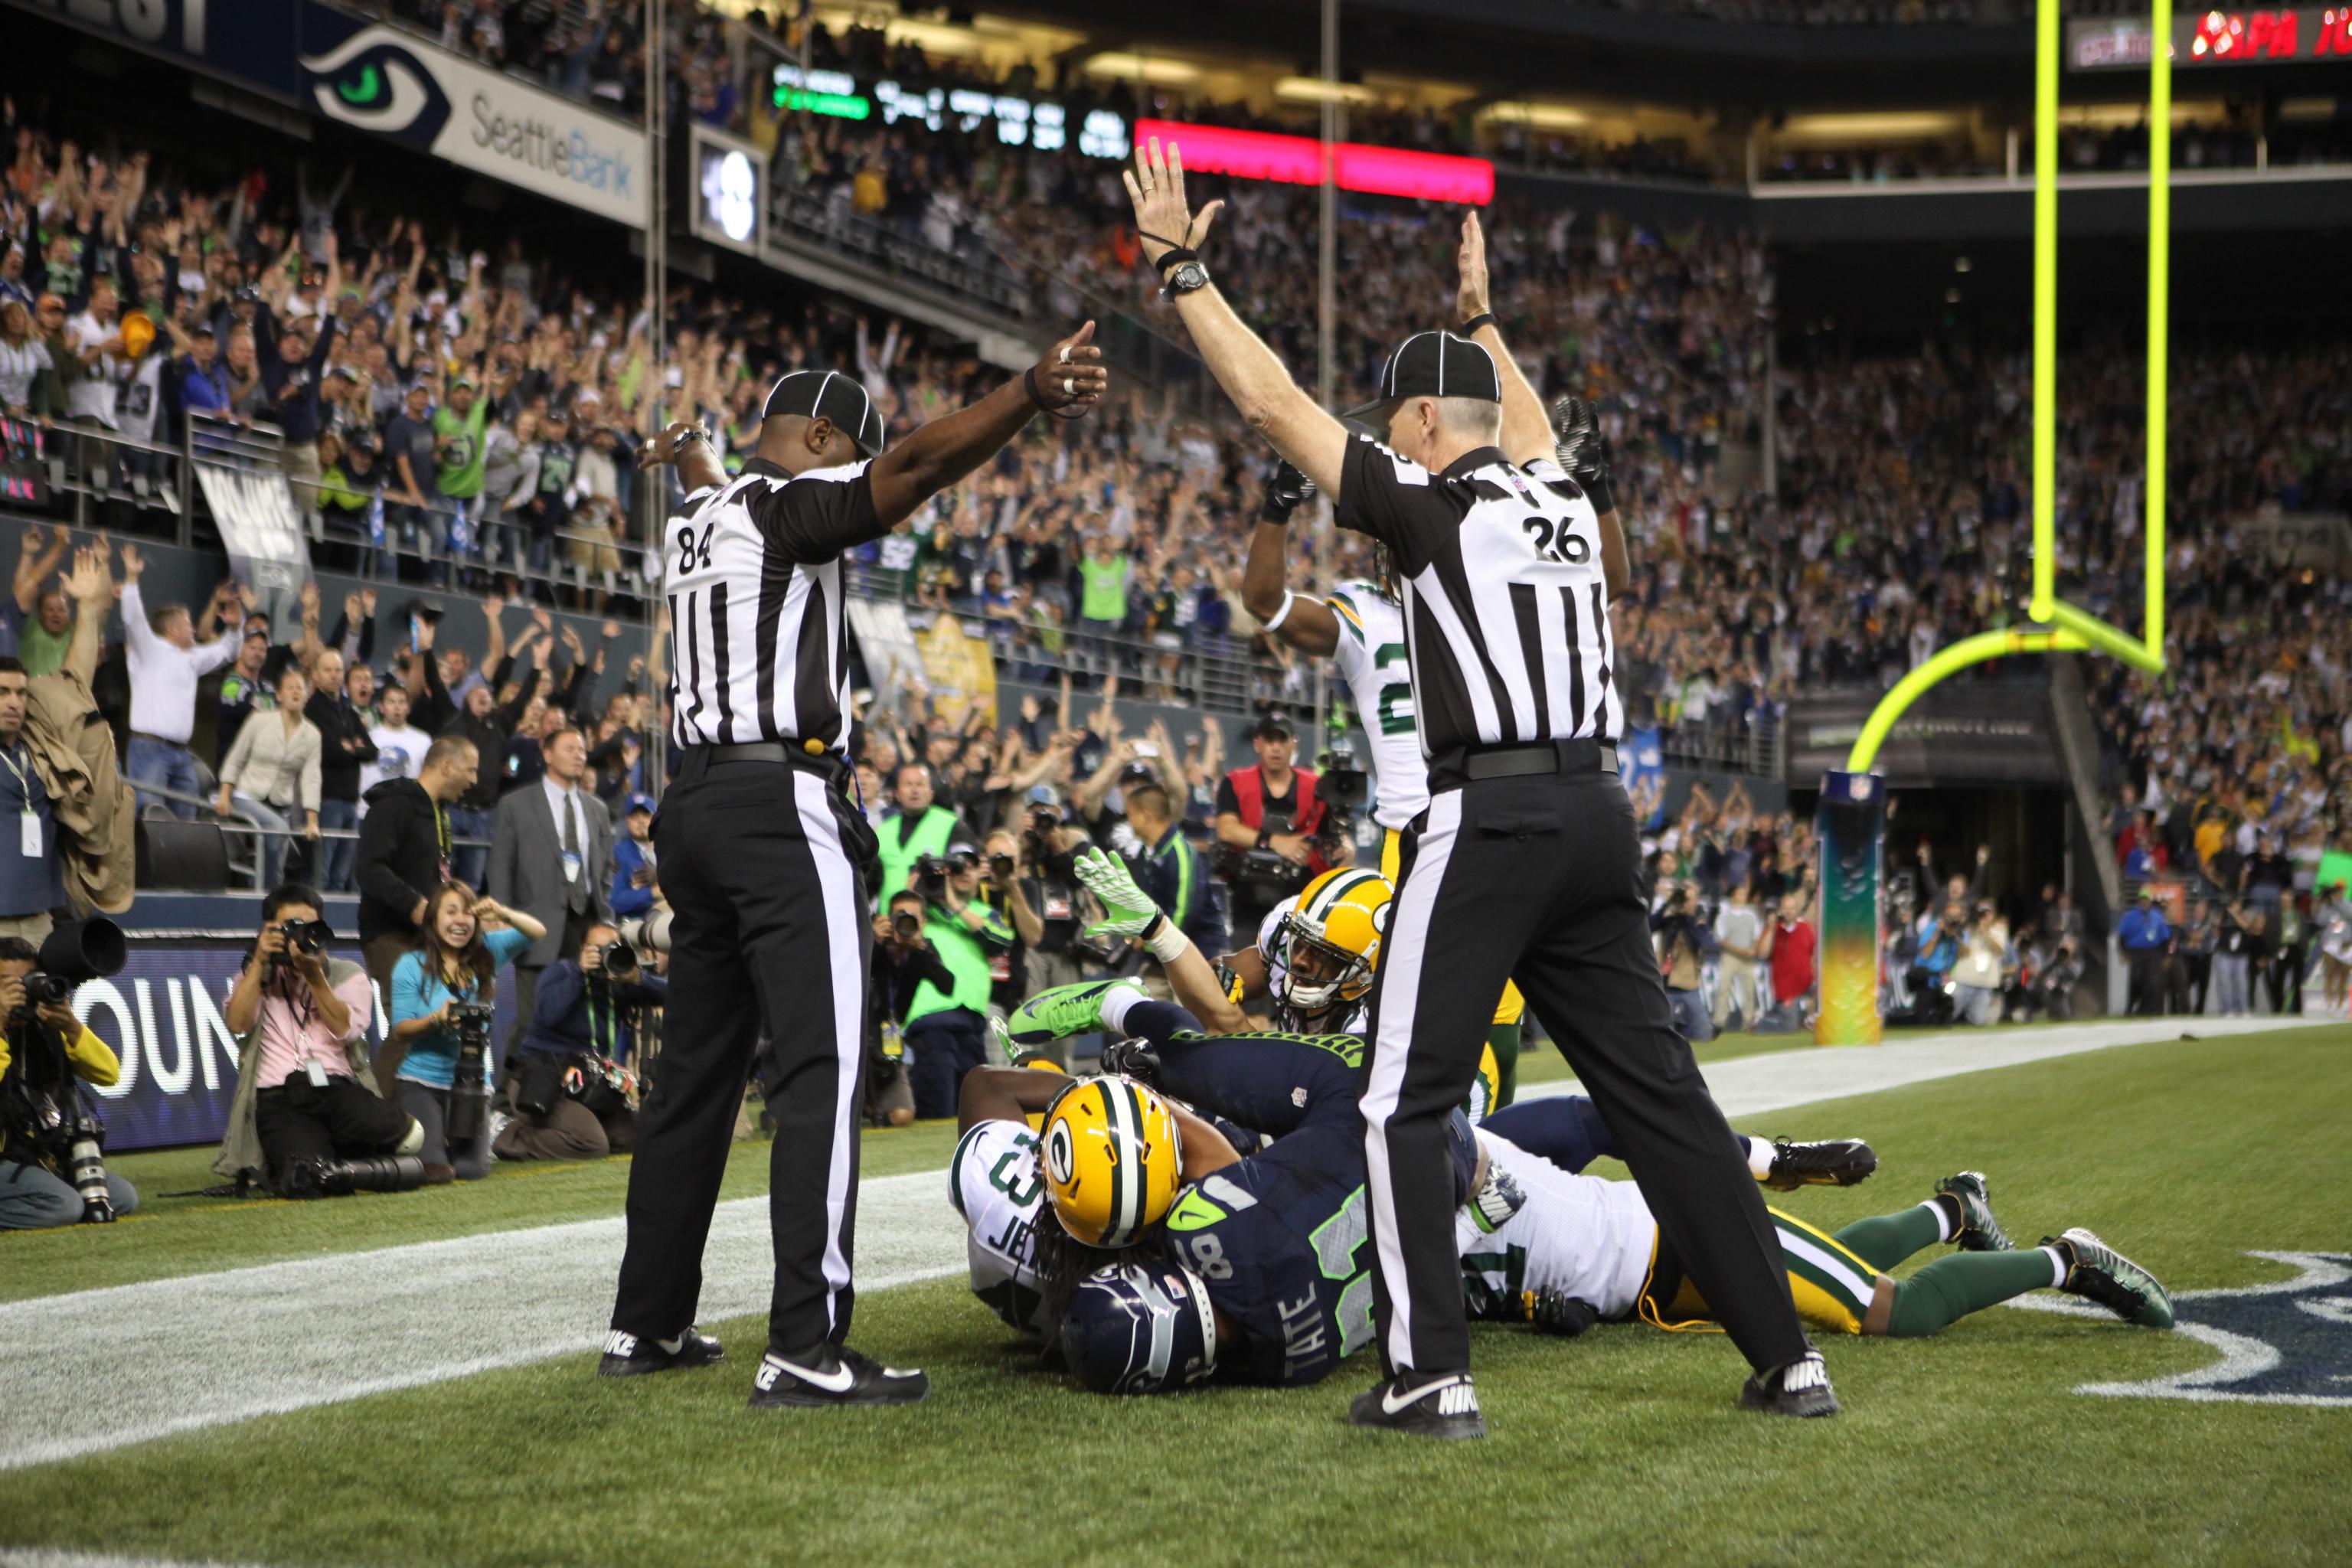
(961,950)
(929,838)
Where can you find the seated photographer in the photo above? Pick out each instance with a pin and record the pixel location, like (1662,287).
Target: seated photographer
(561,1078)
(305,1096)
(902,961)
(43,1049)
(947,1026)
(440,1009)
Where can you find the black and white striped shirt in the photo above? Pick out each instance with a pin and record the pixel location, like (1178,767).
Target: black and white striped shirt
(1506,614)
(758,646)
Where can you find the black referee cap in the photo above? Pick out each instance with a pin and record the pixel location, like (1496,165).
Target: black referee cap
(1436,364)
(829,394)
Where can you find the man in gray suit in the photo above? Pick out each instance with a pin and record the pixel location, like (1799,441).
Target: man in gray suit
(552,854)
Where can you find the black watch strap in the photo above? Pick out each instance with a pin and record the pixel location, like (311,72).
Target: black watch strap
(1173,257)
(1483,318)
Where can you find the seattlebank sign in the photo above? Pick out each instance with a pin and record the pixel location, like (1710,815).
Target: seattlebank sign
(393,83)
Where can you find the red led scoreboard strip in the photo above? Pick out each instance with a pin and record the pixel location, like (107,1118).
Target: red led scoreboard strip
(1298,161)
(2317,34)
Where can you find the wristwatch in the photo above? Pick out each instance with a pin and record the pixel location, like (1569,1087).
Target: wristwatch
(1186,277)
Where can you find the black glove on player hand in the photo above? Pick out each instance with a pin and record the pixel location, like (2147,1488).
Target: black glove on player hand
(1287,489)
(1583,450)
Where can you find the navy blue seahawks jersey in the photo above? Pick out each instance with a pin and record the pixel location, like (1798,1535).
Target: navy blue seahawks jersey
(1281,1241)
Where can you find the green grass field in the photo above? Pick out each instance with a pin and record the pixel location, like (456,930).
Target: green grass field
(1623,1446)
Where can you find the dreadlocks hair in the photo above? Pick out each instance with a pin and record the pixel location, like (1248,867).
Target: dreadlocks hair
(1386,581)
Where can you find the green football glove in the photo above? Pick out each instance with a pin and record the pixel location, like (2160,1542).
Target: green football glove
(1127,911)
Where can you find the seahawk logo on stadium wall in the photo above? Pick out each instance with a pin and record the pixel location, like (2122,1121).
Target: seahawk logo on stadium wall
(2287,1343)
(372,80)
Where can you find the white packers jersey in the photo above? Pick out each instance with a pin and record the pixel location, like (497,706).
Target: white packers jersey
(1590,1238)
(995,1183)
(1371,656)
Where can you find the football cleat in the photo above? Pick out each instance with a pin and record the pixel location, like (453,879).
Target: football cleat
(1440,1406)
(844,1378)
(1830,1162)
(1112,1158)
(631,1355)
(1800,1389)
(1060,1011)
(1978,1231)
(2097,1272)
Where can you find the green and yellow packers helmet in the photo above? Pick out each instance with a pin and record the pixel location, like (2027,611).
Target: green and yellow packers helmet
(1112,1158)
(1330,941)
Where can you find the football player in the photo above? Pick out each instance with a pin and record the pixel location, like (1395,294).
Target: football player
(1539,1243)
(1359,627)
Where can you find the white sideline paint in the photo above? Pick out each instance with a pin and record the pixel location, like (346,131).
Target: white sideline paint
(52,1557)
(1750,1086)
(138,1362)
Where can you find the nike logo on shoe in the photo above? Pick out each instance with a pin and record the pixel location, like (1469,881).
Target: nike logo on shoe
(838,1381)
(621,1344)
(1460,1398)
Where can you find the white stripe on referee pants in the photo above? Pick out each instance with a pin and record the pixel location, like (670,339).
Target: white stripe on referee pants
(838,888)
(1401,955)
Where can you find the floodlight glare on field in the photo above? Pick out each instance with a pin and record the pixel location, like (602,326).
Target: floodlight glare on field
(1853,810)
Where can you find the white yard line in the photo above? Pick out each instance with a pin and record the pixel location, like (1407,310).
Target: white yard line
(133,1362)
(1750,1086)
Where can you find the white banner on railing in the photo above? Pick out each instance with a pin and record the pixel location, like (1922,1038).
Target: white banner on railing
(259,527)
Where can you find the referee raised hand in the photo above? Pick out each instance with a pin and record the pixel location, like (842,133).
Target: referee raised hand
(1524,865)
(765,859)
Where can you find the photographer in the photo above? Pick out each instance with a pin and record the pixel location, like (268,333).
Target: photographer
(1979,976)
(440,1009)
(947,1025)
(562,1075)
(304,1094)
(1272,806)
(903,960)
(1684,938)
(1047,888)
(42,1050)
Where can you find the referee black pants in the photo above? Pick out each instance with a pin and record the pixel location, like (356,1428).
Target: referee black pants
(1535,880)
(761,863)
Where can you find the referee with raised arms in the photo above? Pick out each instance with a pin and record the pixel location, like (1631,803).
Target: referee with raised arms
(1525,865)
(764,858)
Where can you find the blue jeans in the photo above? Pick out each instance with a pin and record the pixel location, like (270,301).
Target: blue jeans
(270,848)
(33,1199)
(468,866)
(336,855)
(172,767)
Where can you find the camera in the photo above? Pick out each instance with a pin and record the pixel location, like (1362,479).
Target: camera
(906,924)
(1001,868)
(619,960)
(309,938)
(469,1090)
(1344,788)
(1037,841)
(647,933)
(932,871)
(340,1178)
(45,1106)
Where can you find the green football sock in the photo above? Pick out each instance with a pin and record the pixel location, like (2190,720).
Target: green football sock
(1951,1287)
(1505,1040)
(1884,1240)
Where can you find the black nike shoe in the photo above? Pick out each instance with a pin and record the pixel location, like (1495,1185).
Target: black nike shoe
(1444,1406)
(1802,1389)
(844,1378)
(1831,1163)
(627,1355)
(1977,1231)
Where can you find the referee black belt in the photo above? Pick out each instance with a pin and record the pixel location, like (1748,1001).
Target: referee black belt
(1466,764)
(775,753)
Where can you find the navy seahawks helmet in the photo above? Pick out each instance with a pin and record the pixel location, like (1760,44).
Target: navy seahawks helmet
(1139,1328)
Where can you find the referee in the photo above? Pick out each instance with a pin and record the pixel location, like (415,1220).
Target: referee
(1524,866)
(765,860)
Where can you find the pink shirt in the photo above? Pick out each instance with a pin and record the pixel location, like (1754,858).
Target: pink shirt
(291,1029)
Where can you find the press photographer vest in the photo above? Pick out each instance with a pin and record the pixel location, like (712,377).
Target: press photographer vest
(960,949)
(1249,795)
(932,830)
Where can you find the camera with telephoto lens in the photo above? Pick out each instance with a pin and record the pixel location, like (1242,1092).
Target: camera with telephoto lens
(932,871)
(469,1090)
(619,960)
(1037,838)
(306,937)
(905,925)
(647,933)
(340,1178)
(44,1107)
(1343,787)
